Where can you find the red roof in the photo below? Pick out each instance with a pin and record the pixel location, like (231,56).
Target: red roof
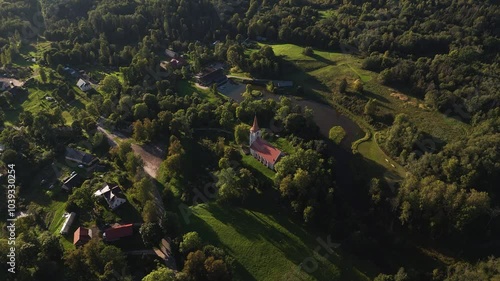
(255,126)
(81,235)
(117,232)
(266,150)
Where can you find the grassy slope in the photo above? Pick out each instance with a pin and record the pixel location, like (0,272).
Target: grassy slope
(248,160)
(269,246)
(320,75)
(188,87)
(329,68)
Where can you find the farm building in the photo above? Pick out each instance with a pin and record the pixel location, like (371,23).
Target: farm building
(117,232)
(81,236)
(216,76)
(80,157)
(83,85)
(67,223)
(73,181)
(171,54)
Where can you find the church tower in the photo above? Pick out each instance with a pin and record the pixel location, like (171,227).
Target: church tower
(254,131)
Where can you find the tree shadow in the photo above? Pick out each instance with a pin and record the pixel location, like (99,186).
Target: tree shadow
(128,213)
(322,59)
(372,95)
(243,273)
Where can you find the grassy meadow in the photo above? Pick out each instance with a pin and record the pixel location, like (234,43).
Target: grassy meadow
(321,73)
(268,245)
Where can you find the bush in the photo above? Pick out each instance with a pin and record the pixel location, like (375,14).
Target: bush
(257,94)
(308,51)
(358,86)
(337,134)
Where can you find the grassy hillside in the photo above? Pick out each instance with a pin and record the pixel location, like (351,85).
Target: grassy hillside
(321,73)
(269,246)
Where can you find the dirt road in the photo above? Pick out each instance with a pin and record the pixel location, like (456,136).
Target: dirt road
(15,82)
(151,155)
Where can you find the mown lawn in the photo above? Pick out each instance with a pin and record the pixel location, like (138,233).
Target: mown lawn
(370,150)
(270,246)
(258,167)
(185,88)
(321,73)
(54,208)
(284,145)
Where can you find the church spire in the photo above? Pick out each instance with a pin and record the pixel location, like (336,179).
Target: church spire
(255,126)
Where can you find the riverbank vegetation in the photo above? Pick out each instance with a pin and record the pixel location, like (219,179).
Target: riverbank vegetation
(414,199)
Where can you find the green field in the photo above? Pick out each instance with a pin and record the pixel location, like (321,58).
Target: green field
(321,73)
(270,246)
(254,164)
(185,88)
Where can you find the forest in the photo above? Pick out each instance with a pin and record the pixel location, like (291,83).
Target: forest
(443,55)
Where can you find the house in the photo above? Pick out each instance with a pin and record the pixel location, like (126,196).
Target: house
(216,76)
(80,157)
(117,232)
(73,181)
(282,84)
(81,236)
(262,150)
(67,223)
(171,53)
(177,62)
(71,71)
(113,196)
(4,86)
(83,85)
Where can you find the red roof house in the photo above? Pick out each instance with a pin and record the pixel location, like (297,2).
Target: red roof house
(81,236)
(261,149)
(116,232)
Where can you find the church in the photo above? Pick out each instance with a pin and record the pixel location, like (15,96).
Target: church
(261,149)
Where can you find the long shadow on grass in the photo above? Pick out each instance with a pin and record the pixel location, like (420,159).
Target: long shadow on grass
(308,81)
(255,227)
(371,95)
(206,231)
(322,59)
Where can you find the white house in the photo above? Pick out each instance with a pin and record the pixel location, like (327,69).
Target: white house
(113,196)
(83,85)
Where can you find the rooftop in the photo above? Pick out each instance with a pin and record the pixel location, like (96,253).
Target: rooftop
(255,126)
(82,234)
(82,83)
(73,181)
(79,156)
(266,150)
(117,232)
(214,76)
